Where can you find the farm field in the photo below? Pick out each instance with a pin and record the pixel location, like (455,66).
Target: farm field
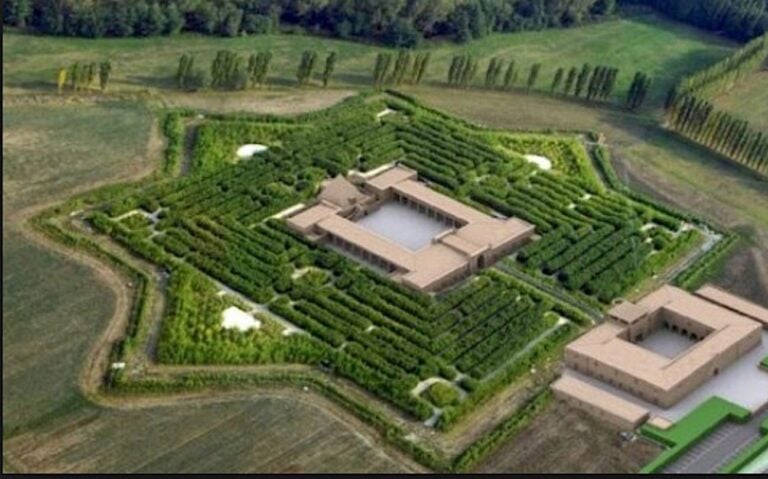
(748,99)
(264,432)
(53,148)
(649,160)
(53,312)
(663,48)
(565,440)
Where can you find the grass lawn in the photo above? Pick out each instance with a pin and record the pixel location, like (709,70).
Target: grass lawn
(749,100)
(650,43)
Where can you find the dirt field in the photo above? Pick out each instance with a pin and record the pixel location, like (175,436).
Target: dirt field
(53,311)
(648,159)
(565,440)
(250,433)
(275,102)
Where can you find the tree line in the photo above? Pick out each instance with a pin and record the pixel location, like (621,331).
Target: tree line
(721,76)
(697,118)
(406,67)
(81,76)
(231,71)
(588,82)
(739,19)
(392,22)
(689,111)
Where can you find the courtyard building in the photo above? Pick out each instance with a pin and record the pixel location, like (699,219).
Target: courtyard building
(395,223)
(661,348)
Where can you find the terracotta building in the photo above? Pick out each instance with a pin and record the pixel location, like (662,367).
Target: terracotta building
(467,241)
(720,328)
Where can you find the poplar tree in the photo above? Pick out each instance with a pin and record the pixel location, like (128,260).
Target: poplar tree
(306,66)
(558,80)
(381,69)
(422,67)
(105,68)
(581,81)
(330,65)
(569,82)
(509,75)
(533,75)
(61,79)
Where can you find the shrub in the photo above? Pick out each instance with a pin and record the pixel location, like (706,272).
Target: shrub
(441,394)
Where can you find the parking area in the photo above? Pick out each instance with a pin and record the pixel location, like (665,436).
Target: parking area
(718,448)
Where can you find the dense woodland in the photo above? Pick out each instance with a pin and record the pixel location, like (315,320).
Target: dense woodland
(393,22)
(739,19)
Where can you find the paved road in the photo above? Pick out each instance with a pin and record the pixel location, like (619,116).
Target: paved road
(719,448)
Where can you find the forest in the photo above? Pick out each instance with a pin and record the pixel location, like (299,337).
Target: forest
(402,23)
(392,22)
(741,20)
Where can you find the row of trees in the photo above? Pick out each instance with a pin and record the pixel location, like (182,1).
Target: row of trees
(721,76)
(462,70)
(596,83)
(638,91)
(393,22)
(231,71)
(739,19)
(307,64)
(81,76)
(406,68)
(697,119)
(690,112)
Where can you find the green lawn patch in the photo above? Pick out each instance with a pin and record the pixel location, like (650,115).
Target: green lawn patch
(442,394)
(686,432)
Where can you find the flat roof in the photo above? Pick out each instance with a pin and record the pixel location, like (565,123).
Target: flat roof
(368,240)
(312,215)
(734,303)
(604,344)
(341,192)
(601,399)
(493,232)
(390,177)
(422,193)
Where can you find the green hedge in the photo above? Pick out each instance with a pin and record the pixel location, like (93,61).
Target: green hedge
(692,428)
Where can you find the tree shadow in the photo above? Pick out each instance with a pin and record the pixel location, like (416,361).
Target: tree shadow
(163,83)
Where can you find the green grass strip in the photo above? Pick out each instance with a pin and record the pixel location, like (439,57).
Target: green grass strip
(689,430)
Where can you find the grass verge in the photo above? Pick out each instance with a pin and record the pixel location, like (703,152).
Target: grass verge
(689,430)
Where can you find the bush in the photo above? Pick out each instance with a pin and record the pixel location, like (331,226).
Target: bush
(441,394)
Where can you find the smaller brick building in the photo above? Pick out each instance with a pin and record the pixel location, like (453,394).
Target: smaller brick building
(720,327)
